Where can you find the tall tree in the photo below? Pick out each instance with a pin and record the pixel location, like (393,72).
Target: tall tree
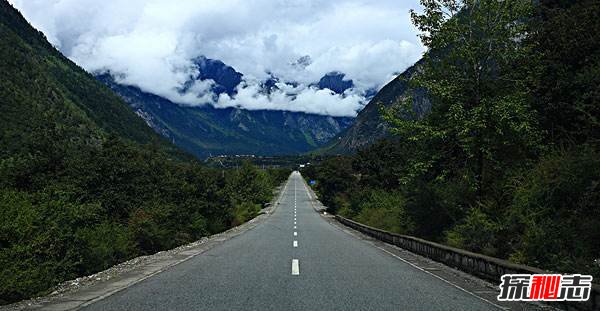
(481,122)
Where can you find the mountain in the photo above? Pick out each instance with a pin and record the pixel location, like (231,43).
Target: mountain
(206,130)
(369,125)
(225,77)
(42,89)
(335,81)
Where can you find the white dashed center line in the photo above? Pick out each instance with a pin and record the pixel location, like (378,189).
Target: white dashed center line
(295,262)
(295,267)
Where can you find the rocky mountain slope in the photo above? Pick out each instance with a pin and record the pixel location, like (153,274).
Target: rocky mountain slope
(335,81)
(369,125)
(206,130)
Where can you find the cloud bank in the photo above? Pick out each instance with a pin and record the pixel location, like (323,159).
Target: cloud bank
(150,44)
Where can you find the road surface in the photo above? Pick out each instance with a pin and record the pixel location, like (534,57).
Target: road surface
(294,260)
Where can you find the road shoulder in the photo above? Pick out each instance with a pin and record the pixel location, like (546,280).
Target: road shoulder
(470,284)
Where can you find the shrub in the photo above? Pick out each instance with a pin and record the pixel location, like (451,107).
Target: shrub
(476,232)
(556,208)
(385,210)
(244,212)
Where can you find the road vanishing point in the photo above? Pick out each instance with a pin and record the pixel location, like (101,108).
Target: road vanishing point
(294,260)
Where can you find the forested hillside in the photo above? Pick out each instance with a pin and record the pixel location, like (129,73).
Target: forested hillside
(507,162)
(84,183)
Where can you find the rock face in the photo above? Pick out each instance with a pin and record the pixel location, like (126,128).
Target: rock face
(225,77)
(369,125)
(206,130)
(335,82)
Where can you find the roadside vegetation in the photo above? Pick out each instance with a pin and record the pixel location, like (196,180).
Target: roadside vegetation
(507,162)
(85,183)
(69,213)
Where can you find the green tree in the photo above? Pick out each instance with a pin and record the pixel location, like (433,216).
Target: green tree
(251,184)
(481,122)
(336,178)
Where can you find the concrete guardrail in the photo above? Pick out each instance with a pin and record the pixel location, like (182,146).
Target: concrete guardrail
(483,266)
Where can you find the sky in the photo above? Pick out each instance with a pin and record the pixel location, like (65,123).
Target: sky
(151,43)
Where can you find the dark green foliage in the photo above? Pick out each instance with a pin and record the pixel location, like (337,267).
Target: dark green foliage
(336,177)
(476,232)
(37,77)
(567,69)
(555,208)
(250,184)
(84,183)
(507,162)
(111,203)
(249,188)
(381,164)
(381,209)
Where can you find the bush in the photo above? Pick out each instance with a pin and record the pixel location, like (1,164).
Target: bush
(130,202)
(556,210)
(39,245)
(476,232)
(385,210)
(244,212)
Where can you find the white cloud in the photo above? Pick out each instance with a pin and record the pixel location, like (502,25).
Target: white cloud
(152,42)
(290,98)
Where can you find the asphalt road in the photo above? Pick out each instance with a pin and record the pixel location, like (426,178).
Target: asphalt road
(295,260)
